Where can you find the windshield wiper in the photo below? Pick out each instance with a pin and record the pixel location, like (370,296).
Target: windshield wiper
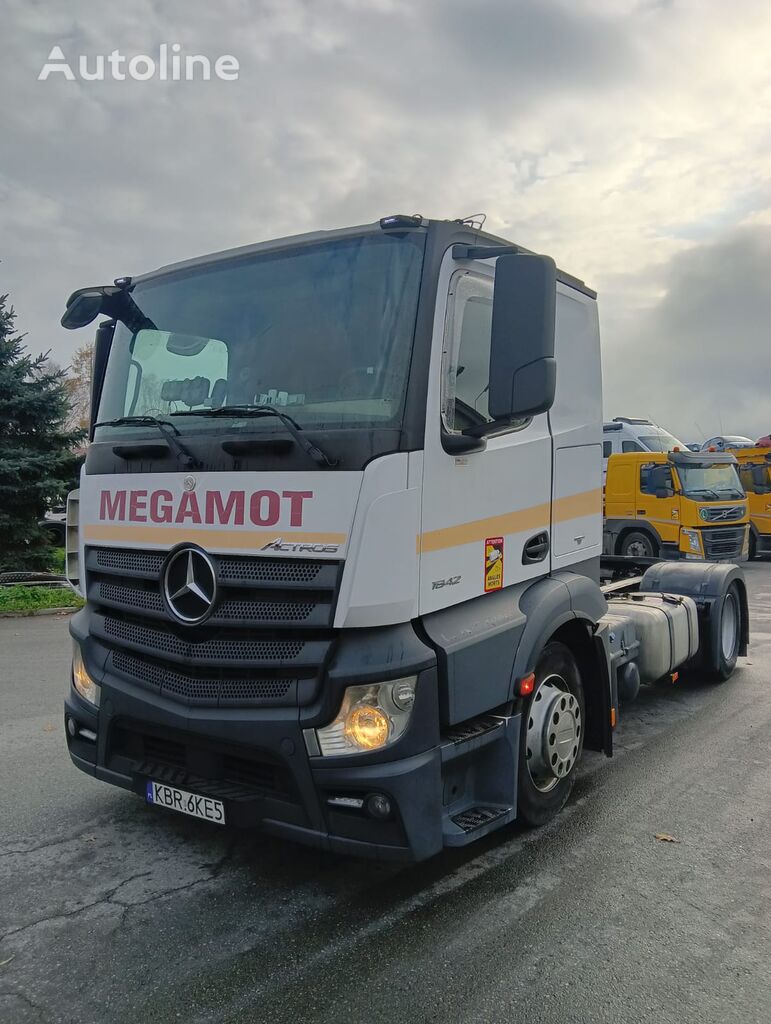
(168,430)
(705,491)
(294,428)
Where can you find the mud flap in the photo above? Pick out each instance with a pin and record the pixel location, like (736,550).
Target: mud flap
(606,691)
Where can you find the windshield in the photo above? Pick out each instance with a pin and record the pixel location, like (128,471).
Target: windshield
(324,330)
(660,442)
(756,477)
(719,482)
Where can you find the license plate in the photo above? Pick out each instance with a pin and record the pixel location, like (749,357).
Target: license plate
(194,804)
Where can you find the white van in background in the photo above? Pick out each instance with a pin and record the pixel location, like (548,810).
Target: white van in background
(624,434)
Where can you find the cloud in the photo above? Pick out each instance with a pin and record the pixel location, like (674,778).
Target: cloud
(620,136)
(700,358)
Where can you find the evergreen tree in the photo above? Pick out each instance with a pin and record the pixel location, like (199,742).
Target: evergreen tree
(37,462)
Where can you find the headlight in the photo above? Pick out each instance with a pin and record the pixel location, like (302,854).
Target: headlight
(370,717)
(81,680)
(692,539)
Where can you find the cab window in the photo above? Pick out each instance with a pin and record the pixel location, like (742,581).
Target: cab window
(466,358)
(607,449)
(631,446)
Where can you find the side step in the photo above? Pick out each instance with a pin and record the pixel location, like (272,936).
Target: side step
(467,737)
(479,777)
(465,826)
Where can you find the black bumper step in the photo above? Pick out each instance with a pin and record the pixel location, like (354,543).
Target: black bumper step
(476,817)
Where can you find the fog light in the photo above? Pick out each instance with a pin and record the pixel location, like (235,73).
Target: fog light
(72,729)
(378,806)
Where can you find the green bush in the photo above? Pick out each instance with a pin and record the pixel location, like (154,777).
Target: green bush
(56,561)
(29,599)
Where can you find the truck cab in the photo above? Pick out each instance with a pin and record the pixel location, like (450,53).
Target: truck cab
(755,475)
(678,505)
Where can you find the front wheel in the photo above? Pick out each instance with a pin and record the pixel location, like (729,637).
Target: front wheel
(752,550)
(552,736)
(638,545)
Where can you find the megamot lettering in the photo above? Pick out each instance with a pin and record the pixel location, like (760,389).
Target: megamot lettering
(261,508)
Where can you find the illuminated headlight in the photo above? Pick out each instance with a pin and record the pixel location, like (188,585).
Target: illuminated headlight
(370,717)
(692,540)
(81,680)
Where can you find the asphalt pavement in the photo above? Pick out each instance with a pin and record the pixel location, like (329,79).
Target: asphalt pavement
(111,910)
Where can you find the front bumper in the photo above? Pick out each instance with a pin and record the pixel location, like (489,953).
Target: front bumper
(444,789)
(256,763)
(255,760)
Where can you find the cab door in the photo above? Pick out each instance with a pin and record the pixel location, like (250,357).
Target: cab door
(657,501)
(486,515)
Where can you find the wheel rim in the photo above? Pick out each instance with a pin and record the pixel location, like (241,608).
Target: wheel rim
(728,630)
(553,733)
(638,549)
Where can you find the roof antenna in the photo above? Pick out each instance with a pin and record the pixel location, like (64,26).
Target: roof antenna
(475,221)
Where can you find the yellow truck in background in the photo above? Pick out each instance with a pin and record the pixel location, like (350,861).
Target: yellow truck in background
(678,505)
(755,475)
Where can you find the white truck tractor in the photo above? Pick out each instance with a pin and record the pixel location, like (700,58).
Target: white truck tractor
(339,534)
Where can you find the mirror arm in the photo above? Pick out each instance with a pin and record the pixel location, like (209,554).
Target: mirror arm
(463,444)
(484,252)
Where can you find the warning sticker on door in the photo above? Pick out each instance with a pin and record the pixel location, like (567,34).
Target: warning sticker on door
(493,563)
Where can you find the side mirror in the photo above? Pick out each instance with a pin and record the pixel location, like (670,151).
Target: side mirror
(523,370)
(102,345)
(660,482)
(85,305)
(82,308)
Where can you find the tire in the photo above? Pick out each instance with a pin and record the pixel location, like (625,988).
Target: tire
(638,545)
(542,791)
(728,627)
(752,551)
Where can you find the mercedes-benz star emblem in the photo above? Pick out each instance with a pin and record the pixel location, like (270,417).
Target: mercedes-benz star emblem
(189,585)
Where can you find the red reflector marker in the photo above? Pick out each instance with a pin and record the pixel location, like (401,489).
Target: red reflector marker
(527,685)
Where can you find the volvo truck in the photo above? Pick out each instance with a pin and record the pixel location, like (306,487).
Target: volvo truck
(682,505)
(339,533)
(755,472)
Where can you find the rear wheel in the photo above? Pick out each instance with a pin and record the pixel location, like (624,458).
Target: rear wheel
(552,736)
(729,632)
(638,545)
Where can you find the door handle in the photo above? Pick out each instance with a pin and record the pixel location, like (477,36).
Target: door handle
(536,549)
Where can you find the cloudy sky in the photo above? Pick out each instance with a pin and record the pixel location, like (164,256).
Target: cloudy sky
(630,139)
